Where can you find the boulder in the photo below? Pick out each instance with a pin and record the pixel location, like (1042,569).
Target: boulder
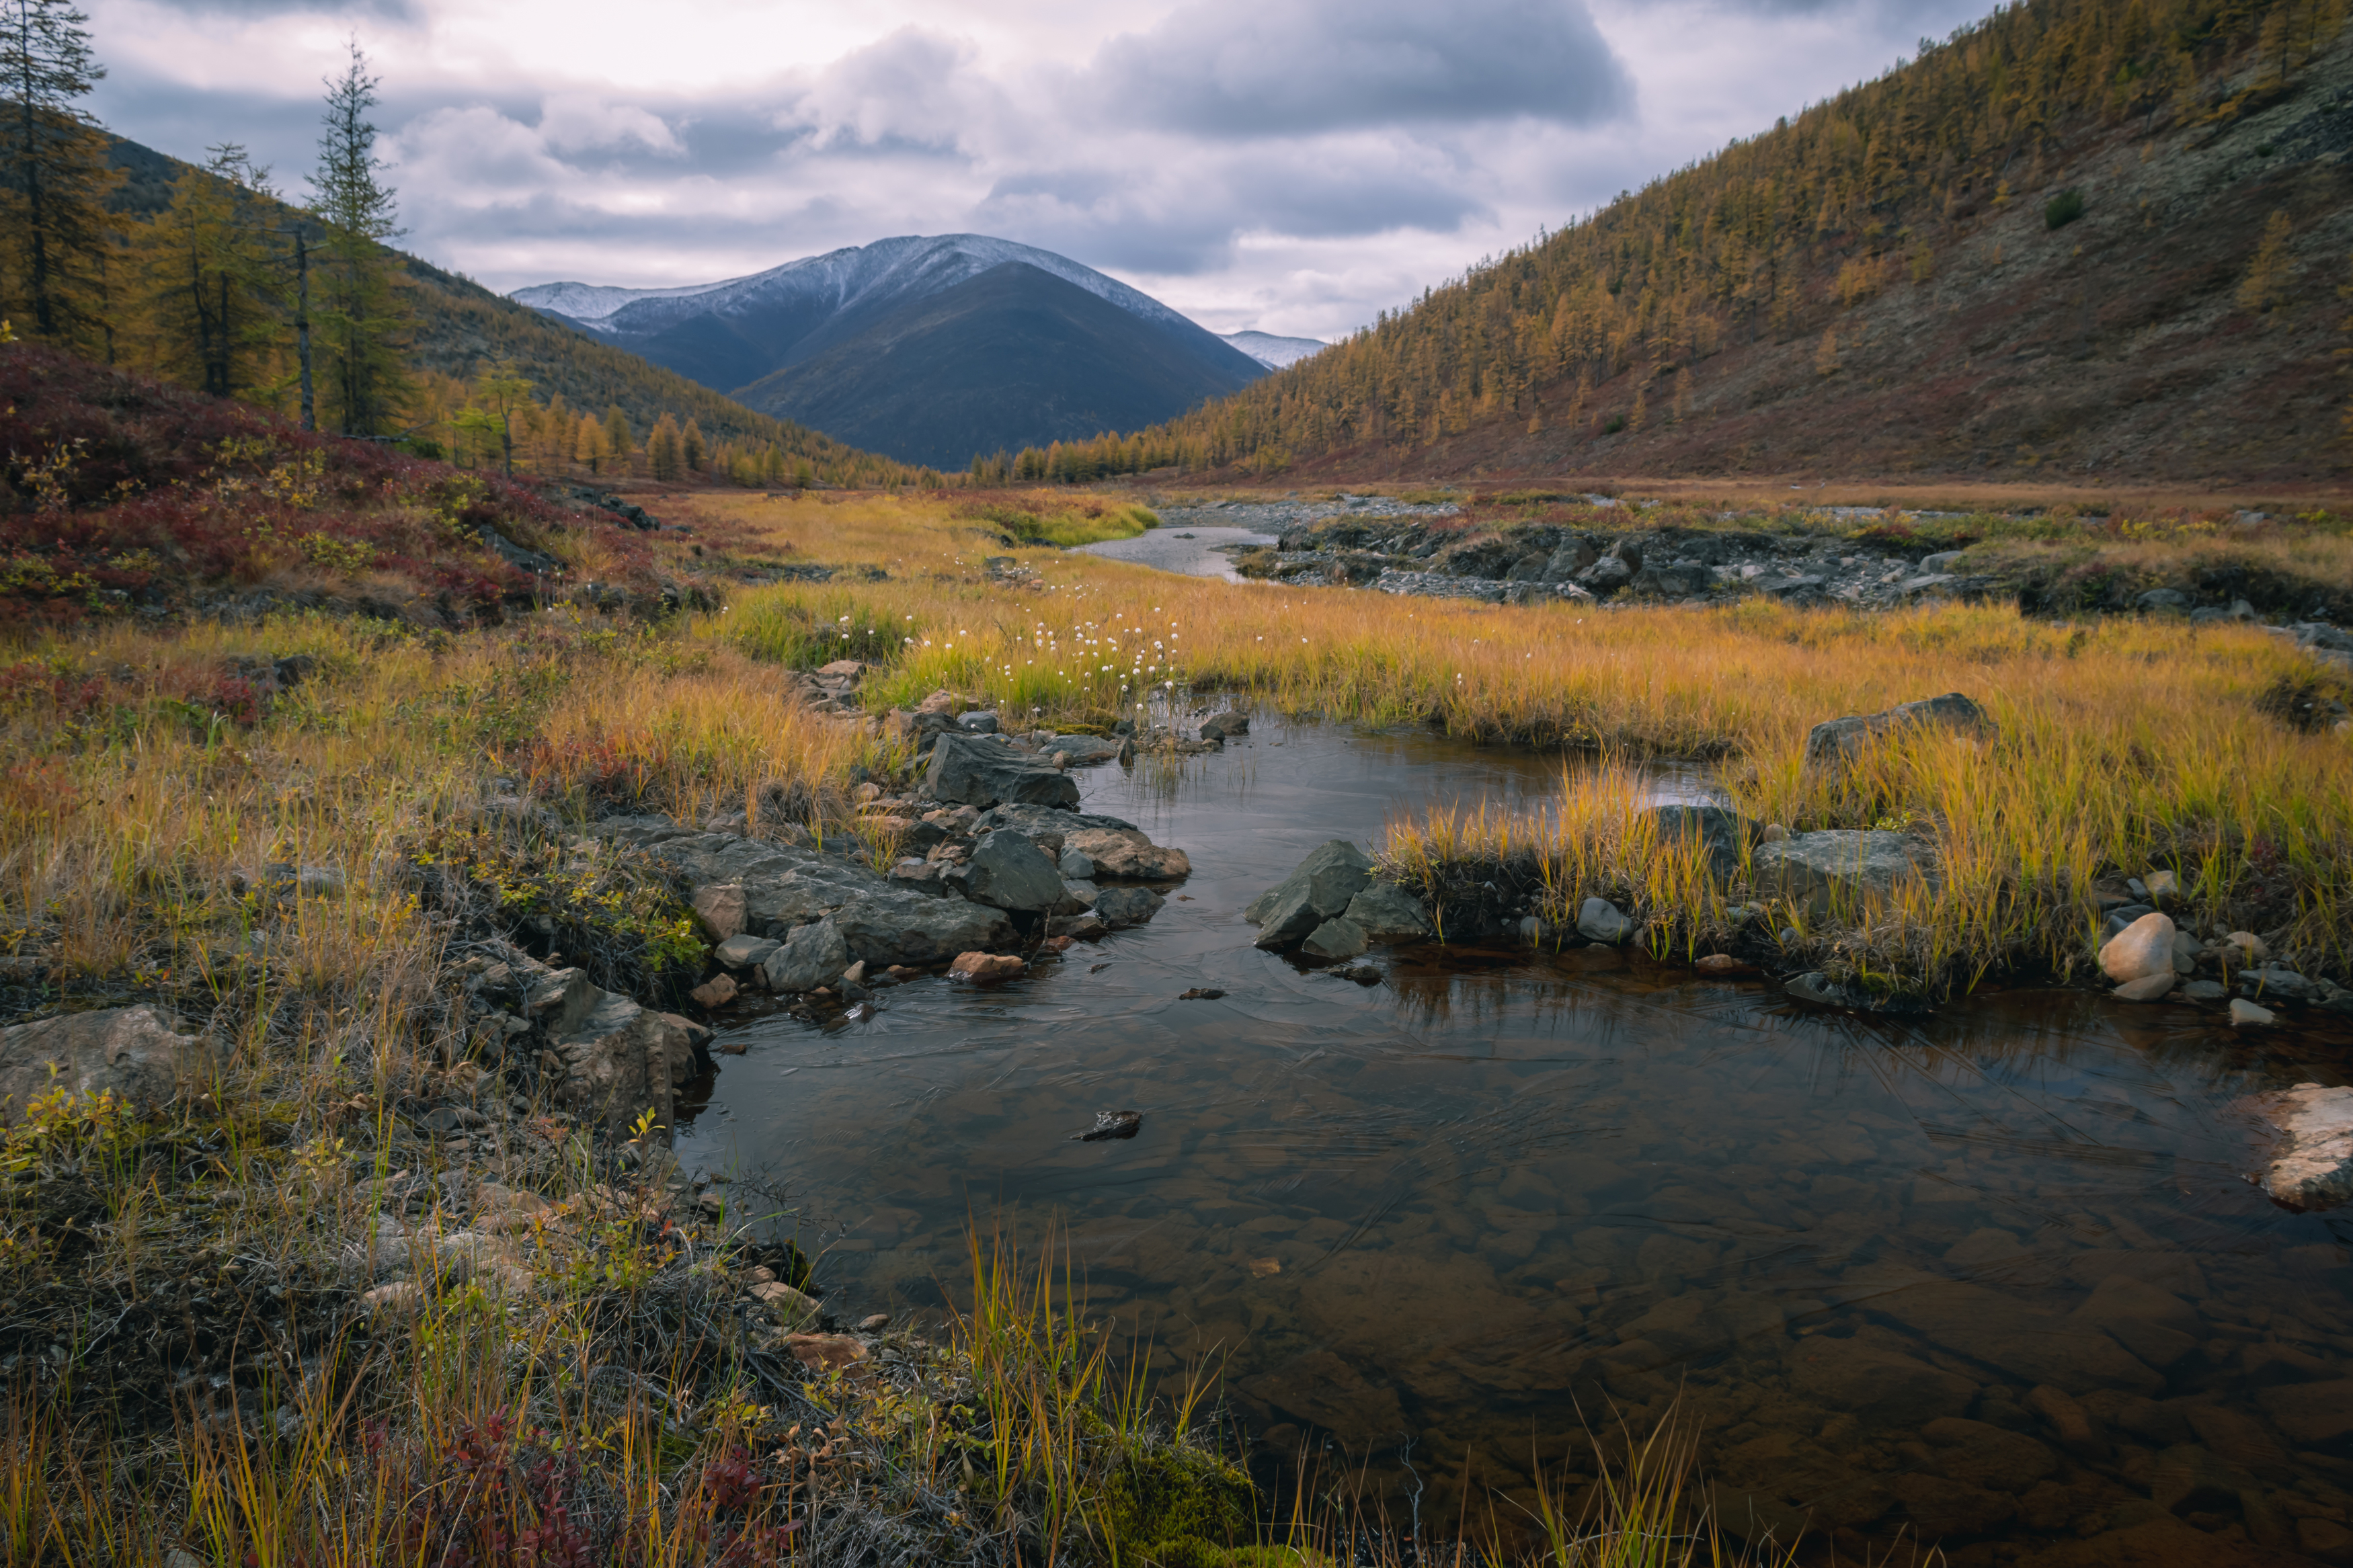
(2142,949)
(719,908)
(1122,907)
(1725,834)
(1084,751)
(1126,852)
(2245,1015)
(1008,871)
(1386,912)
(1336,938)
(1837,742)
(746,952)
(1320,885)
(900,925)
(2148,988)
(1076,867)
(1838,868)
(981,770)
(1598,920)
(985,968)
(813,956)
(1568,561)
(2162,601)
(715,992)
(1225,726)
(622,1060)
(2276,984)
(135,1053)
(1606,576)
(2310,1165)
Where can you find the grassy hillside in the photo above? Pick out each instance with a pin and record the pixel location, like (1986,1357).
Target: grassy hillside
(460,323)
(2091,237)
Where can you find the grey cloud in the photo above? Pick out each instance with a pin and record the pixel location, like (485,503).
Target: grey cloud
(1248,67)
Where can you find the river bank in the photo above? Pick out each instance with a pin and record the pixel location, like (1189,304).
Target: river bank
(350,851)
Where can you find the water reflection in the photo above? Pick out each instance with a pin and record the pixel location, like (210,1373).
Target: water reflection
(1990,1276)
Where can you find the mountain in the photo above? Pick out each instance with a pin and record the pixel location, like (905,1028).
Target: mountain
(1013,357)
(886,317)
(460,323)
(1273,352)
(2102,238)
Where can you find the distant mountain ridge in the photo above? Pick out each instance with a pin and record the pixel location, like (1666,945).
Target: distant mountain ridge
(870,313)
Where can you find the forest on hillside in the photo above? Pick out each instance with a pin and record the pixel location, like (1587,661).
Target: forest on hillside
(209,277)
(1771,240)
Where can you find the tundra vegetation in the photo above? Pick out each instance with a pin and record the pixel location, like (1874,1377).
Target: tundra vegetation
(263,692)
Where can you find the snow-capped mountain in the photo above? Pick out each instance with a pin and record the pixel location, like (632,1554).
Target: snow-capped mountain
(1273,352)
(915,297)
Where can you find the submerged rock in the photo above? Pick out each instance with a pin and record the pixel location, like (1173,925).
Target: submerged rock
(1320,885)
(1122,907)
(134,1053)
(985,968)
(1225,726)
(2310,1165)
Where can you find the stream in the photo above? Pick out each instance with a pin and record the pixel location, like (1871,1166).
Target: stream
(1991,1277)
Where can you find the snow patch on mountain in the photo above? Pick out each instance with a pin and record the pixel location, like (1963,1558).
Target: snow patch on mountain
(911,265)
(1273,352)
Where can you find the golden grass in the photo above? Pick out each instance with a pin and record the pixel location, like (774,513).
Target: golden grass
(134,788)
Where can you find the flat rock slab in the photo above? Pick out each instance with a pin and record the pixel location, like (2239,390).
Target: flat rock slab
(2311,1161)
(982,769)
(134,1053)
(1839,870)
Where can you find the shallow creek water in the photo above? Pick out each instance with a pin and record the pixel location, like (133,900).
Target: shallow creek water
(1992,1277)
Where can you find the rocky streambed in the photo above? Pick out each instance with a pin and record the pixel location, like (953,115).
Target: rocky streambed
(2003,1275)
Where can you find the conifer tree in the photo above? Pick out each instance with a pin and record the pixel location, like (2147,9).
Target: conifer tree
(211,278)
(662,444)
(53,174)
(620,446)
(588,448)
(693,451)
(503,394)
(362,313)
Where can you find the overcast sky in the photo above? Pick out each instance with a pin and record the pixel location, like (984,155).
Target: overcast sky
(1289,166)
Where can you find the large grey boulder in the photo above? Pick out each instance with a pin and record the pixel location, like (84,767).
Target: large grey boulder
(2310,1163)
(1080,750)
(981,770)
(1724,834)
(1386,912)
(1335,939)
(1839,871)
(1837,741)
(1606,576)
(895,925)
(1321,885)
(1569,559)
(812,955)
(137,1053)
(1009,871)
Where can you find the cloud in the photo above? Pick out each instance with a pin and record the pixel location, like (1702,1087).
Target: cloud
(914,89)
(1258,67)
(581,123)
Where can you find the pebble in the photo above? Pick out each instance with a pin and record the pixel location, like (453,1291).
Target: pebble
(2246,1014)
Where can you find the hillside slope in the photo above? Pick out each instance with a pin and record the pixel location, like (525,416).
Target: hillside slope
(760,338)
(1890,283)
(1014,356)
(460,323)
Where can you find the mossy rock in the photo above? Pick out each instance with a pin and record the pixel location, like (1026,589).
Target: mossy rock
(1182,1499)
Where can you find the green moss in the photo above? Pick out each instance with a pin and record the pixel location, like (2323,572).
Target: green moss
(1183,1504)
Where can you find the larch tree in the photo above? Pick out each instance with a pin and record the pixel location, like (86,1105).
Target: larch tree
(362,312)
(212,280)
(53,172)
(694,450)
(620,446)
(662,453)
(503,395)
